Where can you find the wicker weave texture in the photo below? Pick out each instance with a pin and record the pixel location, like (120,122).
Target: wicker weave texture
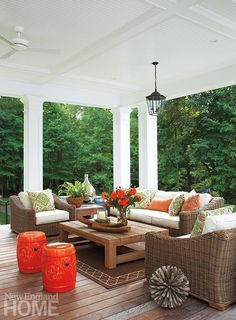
(24,219)
(208,261)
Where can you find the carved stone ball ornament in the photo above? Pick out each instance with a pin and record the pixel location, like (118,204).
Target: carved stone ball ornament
(169,287)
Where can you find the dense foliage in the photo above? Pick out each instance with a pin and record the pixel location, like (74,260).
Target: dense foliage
(196,144)
(11,145)
(77,141)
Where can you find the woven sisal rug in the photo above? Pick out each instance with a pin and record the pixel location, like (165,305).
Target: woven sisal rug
(90,263)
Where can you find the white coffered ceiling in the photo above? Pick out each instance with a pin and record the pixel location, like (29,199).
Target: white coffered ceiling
(107,46)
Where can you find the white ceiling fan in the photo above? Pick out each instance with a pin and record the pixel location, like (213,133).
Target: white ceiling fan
(21,44)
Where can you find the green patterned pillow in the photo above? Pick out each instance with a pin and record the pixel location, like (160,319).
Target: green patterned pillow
(176,204)
(199,224)
(144,203)
(42,200)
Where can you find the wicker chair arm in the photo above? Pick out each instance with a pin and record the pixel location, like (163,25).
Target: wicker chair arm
(64,206)
(18,207)
(215,203)
(187,221)
(20,216)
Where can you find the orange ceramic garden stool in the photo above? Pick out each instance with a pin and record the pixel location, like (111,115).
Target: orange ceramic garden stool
(29,251)
(58,267)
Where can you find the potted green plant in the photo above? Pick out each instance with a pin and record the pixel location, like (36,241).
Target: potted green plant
(74,191)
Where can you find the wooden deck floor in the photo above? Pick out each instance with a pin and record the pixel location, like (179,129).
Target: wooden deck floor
(89,300)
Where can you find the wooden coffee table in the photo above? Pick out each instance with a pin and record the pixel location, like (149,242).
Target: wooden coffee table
(111,240)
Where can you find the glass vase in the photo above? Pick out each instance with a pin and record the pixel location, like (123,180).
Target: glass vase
(90,192)
(122,217)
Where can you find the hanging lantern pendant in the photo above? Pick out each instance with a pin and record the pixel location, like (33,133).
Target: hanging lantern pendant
(155,100)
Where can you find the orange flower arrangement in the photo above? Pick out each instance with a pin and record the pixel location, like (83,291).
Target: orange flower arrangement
(121,199)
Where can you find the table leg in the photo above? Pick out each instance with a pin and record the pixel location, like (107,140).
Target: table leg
(63,235)
(110,255)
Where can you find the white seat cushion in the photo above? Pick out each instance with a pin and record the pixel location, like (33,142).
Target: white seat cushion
(221,222)
(153,217)
(141,215)
(163,219)
(51,216)
(168,194)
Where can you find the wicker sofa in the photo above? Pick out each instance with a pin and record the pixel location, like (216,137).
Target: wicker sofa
(209,262)
(177,225)
(23,219)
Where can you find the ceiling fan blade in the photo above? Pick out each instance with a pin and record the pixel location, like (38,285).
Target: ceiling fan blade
(8,54)
(52,51)
(5,40)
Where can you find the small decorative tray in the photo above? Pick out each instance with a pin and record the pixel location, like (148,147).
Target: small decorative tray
(107,226)
(106,221)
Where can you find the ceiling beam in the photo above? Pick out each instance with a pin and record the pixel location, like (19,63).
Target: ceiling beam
(214,22)
(59,93)
(144,22)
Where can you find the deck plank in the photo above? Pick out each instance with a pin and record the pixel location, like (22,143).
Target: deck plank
(91,301)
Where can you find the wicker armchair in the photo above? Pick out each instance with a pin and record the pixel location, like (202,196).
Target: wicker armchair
(23,219)
(209,262)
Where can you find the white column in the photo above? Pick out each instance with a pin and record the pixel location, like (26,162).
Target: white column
(33,142)
(121,147)
(147,149)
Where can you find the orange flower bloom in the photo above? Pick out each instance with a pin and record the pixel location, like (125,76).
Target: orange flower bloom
(132,191)
(124,202)
(107,204)
(127,201)
(120,193)
(104,195)
(113,195)
(121,198)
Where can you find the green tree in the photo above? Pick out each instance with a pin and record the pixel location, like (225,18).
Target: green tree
(60,143)
(214,148)
(197,146)
(176,130)
(95,147)
(11,145)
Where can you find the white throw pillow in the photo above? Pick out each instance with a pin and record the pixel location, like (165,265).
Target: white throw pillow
(222,222)
(168,194)
(192,192)
(189,194)
(25,200)
(205,198)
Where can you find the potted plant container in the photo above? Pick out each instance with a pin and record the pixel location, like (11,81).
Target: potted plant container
(74,192)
